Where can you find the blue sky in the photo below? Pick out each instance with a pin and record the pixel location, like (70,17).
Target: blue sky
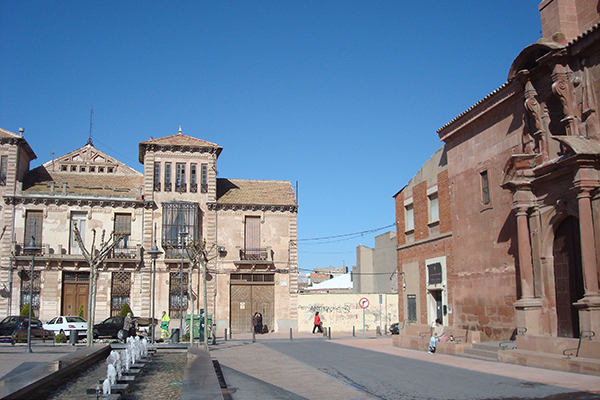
(343,97)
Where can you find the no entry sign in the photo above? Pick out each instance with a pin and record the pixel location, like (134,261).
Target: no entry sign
(364,302)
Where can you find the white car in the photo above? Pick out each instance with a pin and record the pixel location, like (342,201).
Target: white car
(64,325)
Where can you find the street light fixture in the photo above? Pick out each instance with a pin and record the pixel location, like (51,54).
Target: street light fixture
(183,234)
(154,254)
(31,249)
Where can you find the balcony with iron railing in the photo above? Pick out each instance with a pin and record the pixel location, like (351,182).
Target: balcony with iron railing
(254,257)
(61,254)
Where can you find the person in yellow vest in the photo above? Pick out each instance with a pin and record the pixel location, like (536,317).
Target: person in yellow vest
(164,325)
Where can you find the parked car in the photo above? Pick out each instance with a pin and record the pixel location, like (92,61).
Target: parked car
(395,328)
(9,324)
(111,327)
(64,324)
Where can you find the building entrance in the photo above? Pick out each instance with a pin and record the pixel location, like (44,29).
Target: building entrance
(75,293)
(251,293)
(568,277)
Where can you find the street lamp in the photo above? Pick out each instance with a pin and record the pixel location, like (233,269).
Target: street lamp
(183,234)
(31,249)
(154,253)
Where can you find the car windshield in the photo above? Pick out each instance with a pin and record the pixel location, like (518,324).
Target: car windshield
(5,320)
(75,319)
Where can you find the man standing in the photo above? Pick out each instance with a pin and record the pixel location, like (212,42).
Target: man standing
(164,326)
(129,325)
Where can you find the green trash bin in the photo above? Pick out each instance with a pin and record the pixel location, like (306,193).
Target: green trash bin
(198,330)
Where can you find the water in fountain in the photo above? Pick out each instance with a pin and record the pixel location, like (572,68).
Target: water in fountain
(106,387)
(111,374)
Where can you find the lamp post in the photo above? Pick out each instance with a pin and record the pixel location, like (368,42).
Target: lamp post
(183,234)
(154,253)
(31,249)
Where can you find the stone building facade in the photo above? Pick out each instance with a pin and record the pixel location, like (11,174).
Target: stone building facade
(248,227)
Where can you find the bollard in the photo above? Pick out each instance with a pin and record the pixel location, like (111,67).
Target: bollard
(291,338)
(329,333)
(175,335)
(214,334)
(225,336)
(229,334)
(72,337)
(253,336)
(353,331)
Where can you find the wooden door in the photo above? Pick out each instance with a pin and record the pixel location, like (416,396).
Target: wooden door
(241,308)
(75,293)
(568,277)
(246,299)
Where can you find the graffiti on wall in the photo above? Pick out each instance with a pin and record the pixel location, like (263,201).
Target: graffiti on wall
(341,312)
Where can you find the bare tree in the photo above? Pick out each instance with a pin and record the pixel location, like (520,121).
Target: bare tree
(94,258)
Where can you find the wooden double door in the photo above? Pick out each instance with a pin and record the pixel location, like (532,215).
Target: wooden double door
(247,299)
(75,292)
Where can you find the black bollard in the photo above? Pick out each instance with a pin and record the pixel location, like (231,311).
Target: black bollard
(253,336)
(353,331)
(291,338)
(225,336)
(329,333)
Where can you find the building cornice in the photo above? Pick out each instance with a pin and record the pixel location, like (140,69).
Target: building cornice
(251,207)
(78,201)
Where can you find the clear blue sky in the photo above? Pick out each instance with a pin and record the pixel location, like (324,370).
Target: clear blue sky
(343,97)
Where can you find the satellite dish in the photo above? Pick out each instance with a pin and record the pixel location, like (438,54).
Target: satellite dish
(23,275)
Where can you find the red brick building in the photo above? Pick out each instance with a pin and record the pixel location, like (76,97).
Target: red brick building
(522,248)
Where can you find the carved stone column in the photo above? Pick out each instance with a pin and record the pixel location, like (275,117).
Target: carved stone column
(589,306)
(525,264)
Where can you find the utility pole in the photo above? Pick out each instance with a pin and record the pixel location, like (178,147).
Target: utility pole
(94,259)
(198,255)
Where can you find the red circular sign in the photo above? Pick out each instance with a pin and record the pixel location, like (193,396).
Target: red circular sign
(364,302)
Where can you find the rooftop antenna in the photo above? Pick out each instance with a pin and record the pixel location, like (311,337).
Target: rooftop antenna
(90,138)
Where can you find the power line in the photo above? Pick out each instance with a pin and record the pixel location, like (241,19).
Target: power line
(346,235)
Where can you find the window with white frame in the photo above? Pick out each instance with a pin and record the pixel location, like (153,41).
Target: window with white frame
(434,211)
(409,217)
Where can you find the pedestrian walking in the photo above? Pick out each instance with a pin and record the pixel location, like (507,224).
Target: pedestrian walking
(317,323)
(164,326)
(129,325)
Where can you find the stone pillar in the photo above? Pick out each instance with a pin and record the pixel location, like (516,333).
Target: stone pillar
(525,264)
(588,251)
(589,306)
(528,309)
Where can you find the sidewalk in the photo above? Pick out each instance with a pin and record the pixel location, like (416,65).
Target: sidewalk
(276,371)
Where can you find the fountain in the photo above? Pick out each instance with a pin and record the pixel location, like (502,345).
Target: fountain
(106,387)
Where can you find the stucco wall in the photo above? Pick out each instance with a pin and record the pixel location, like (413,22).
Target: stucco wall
(340,311)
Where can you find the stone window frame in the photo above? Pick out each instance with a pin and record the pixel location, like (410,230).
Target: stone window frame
(485,191)
(432,193)
(409,216)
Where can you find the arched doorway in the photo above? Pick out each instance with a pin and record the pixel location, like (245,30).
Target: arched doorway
(568,276)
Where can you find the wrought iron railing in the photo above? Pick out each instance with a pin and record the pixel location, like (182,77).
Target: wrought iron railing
(254,254)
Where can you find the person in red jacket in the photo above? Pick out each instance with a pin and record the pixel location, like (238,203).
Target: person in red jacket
(317,323)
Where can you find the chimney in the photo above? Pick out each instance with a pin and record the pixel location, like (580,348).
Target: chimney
(564,20)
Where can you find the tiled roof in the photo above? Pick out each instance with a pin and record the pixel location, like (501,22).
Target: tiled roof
(178,140)
(8,135)
(39,182)
(5,133)
(255,192)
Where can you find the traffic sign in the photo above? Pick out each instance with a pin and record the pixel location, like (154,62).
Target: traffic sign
(364,302)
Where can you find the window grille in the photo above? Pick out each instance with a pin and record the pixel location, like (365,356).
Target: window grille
(193,179)
(123,226)
(167,177)
(411,305)
(253,277)
(179,217)
(178,286)
(36,289)
(3,167)
(120,291)
(33,219)
(157,177)
(204,177)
